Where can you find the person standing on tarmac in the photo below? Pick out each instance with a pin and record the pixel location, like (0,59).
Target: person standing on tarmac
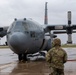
(56,57)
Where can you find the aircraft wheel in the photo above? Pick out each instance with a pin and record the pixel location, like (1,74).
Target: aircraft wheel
(19,57)
(25,57)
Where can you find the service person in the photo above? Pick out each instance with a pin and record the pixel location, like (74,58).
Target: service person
(56,57)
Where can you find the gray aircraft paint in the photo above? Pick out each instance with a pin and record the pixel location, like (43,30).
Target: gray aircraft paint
(25,36)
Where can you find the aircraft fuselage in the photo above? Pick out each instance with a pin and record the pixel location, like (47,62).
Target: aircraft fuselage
(25,36)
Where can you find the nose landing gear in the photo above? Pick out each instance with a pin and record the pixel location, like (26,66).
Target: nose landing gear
(22,57)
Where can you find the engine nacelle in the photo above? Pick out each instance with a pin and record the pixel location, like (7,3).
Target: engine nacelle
(47,44)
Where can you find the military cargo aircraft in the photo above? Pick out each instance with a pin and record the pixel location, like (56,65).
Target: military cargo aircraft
(26,36)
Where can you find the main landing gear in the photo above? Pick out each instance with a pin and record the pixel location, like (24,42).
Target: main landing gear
(22,57)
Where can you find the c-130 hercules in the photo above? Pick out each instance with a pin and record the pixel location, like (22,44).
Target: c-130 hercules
(26,36)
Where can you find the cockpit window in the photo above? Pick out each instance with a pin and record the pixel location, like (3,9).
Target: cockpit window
(10,28)
(25,25)
(30,26)
(16,26)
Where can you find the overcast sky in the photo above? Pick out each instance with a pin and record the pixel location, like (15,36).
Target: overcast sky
(57,12)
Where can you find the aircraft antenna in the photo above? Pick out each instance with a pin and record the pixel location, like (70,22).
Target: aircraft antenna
(46,17)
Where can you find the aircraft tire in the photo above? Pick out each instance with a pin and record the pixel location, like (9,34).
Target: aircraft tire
(19,57)
(25,57)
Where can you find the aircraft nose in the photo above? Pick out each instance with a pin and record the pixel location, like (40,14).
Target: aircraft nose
(17,40)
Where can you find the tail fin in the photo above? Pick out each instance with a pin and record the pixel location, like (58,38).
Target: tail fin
(46,17)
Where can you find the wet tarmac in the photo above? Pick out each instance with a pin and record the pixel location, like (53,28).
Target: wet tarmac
(9,64)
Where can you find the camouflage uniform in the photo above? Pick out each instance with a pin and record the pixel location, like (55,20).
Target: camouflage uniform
(56,57)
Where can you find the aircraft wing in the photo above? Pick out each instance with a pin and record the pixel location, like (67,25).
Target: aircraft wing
(68,29)
(74,27)
(54,27)
(3,31)
(52,35)
(62,32)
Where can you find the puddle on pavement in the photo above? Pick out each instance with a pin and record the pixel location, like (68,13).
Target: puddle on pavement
(28,68)
(9,64)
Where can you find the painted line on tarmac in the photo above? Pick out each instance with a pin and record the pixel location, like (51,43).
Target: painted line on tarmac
(6,65)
